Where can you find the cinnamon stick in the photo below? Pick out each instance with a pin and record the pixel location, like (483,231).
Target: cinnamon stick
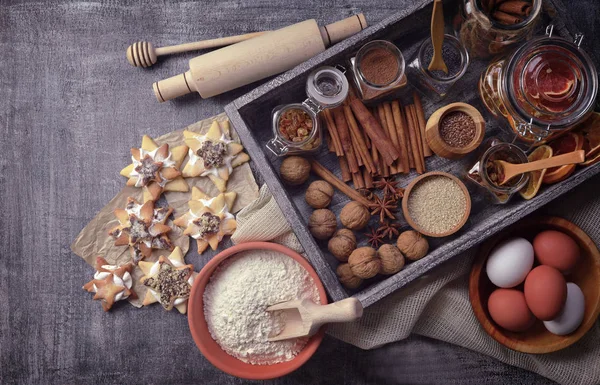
(344,133)
(401,135)
(329,142)
(516,8)
(327,176)
(378,137)
(386,128)
(505,18)
(422,122)
(368,178)
(375,156)
(389,117)
(413,138)
(346,175)
(355,132)
(339,151)
(413,111)
(359,182)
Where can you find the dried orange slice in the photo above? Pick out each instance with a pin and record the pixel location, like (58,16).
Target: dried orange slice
(535,177)
(567,143)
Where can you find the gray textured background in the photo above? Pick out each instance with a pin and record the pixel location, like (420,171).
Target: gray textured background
(71,109)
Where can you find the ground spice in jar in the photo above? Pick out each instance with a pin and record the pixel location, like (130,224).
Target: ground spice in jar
(457,129)
(295,125)
(437,204)
(379,66)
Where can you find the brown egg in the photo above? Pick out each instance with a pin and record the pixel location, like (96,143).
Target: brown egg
(545,292)
(556,249)
(509,310)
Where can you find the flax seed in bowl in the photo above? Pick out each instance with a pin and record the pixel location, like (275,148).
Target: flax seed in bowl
(436,204)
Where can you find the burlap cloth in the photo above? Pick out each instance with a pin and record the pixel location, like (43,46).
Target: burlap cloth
(437,305)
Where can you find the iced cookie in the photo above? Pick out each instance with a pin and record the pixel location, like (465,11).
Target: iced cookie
(143,228)
(111,283)
(169,281)
(208,220)
(156,169)
(214,155)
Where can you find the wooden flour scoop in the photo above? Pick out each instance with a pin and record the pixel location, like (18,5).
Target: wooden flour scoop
(304,317)
(511,170)
(437,38)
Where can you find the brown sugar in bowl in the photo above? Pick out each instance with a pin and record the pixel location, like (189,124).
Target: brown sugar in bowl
(586,275)
(409,190)
(434,138)
(211,349)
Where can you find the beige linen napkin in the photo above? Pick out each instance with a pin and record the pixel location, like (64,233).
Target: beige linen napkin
(437,305)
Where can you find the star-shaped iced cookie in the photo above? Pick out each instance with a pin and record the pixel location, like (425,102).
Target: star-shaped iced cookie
(156,169)
(111,283)
(169,281)
(143,228)
(208,220)
(214,155)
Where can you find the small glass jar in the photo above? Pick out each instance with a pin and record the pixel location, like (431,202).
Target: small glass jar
(484,37)
(437,83)
(543,89)
(485,174)
(326,87)
(368,66)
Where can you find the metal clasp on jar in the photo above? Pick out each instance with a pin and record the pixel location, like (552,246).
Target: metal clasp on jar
(277,147)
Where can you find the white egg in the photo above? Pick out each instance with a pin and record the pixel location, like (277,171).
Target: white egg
(510,262)
(571,316)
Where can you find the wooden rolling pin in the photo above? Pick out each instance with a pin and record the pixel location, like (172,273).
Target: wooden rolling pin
(143,53)
(251,60)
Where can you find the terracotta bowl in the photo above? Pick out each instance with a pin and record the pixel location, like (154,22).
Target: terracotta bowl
(213,352)
(409,190)
(586,275)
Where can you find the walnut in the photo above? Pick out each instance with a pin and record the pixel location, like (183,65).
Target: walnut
(355,216)
(413,245)
(342,244)
(347,278)
(392,260)
(322,224)
(319,194)
(294,170)
(364,262)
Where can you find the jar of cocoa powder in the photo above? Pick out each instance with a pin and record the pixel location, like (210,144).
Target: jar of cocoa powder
(378,70)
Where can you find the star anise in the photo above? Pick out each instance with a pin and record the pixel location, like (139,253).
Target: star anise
(374,238)
(384,207)
(366,193)
(389,187)
(389,229)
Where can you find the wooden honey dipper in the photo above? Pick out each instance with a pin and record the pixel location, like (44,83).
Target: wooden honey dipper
(143,53)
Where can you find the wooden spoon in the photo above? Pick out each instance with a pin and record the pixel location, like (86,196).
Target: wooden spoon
(304,317)
(437,38)
(511,170)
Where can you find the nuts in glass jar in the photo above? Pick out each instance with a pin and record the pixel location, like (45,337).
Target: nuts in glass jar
(295,125)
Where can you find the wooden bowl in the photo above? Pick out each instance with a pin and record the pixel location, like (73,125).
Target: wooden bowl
(443,149)
(586,275)
(409,190)
(209,347)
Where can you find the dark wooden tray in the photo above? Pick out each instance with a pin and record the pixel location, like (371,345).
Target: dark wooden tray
(251,117)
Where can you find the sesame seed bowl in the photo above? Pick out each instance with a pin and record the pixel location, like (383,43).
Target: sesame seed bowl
(436,204)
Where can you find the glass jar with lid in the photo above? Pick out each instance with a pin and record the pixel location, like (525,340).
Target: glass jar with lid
(487,29)
(487,174)
(544,88)
(297,126)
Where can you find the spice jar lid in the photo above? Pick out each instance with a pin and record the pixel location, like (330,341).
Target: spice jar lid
(551,83)
(326,87)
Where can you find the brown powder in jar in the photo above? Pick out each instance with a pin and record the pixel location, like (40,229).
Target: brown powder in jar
(379,66)
(457,129)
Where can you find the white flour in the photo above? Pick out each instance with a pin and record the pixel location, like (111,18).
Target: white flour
(236,298)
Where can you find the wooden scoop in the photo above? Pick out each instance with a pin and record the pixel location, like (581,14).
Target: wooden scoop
(304,317)
(143,53)
(437,38)
(511,170)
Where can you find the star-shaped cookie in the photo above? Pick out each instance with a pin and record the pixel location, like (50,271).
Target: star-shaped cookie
(111,283)
(169,281)
(214,155)
(156,169)
(143,228)
(208,220)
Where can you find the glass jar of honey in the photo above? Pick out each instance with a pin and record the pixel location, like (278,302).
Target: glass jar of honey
(544,88)
(489,27)
(297,126)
